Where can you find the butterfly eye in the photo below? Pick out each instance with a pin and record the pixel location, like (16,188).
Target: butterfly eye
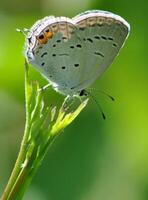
(42,39)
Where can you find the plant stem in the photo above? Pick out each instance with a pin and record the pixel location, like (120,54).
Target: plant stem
(40,132)
(27,161)
(22,152)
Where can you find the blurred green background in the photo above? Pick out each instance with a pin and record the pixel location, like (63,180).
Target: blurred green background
(93,159)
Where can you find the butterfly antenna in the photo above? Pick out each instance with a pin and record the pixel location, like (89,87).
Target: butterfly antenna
(97,103)
(104,93)
(24,31)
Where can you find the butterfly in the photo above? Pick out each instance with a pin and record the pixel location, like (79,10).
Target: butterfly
(72,53)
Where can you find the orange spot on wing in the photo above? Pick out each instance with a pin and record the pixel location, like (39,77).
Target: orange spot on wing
(42,41)
(43,38)
(48,34)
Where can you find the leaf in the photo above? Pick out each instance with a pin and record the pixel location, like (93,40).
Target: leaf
(64,119)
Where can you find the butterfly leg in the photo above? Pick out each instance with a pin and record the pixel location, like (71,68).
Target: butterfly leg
(44,87)
(79,98)
(68,101)
(82,94)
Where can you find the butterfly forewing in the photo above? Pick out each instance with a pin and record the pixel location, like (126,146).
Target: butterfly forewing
(79,50)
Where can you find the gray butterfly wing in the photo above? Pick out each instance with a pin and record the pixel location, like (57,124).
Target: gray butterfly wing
(102,35)
(60,61)
(94,41)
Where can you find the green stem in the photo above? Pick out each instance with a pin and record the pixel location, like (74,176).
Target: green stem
(23,178)
(22,152)
(37,139)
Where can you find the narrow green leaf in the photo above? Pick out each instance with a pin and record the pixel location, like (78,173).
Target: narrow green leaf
(64,119)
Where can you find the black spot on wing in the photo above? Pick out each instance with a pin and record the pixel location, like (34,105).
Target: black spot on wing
(41,36)
(81,28)
(45,53)
(79,45)
(104,37)
(64,38)
(114,45)
(110,38)
(90,40)
(76,65)
(97,37)
(64,54)
(99,54)
(99,25)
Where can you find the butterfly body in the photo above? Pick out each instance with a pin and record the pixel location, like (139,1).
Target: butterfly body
(72,53)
